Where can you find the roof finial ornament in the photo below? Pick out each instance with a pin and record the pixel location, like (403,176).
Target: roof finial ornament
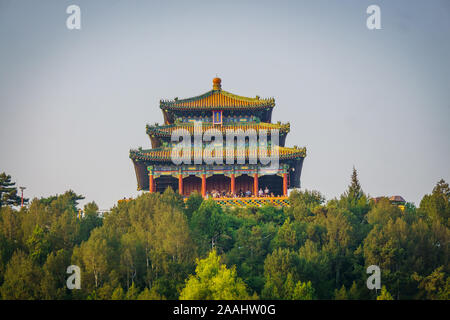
(216,83)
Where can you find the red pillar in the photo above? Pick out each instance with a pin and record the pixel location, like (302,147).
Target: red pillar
(285,184)
(255,184)
(151,185)
(180,184)
(233,188)
(203,185)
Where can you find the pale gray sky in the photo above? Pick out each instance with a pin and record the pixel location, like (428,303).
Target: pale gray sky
(72,103)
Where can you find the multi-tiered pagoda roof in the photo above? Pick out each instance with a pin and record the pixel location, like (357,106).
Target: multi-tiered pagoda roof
(156,171)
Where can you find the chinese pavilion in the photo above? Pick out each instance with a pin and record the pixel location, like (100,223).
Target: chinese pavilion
(238,184)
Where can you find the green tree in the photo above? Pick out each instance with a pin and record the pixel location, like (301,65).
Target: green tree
(214,281)
(250,248)
(8,192)
(192,204)
(297,291)
(286,236)
(90,220)
(316,265)
(54,276)
(353,292)
(66,201)
(172,251)
(435,286)
(91,256)
(383,211)
(355,201)
(384,295)
(21,279)
(11,227)
(340,294)
(38,246)
(208,224)
(339,242)
(302,203)
(132,257)
(64,230)
(148,294)
(132,293)
(354,189)
(109,286)
(118,294)
(279,267)
(303,291)
(437,205)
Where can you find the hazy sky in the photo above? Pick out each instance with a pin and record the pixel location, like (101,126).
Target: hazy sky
(73,102)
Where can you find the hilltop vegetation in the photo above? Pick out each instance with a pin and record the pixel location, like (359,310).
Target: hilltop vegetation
(158,247)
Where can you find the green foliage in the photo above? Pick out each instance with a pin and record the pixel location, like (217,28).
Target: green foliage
(343,294)
(303,291)
(437,205)
(214,281)
(90,220)
(132,293)
(8,192)
(192,204)
(303,203)
(248,253)
(286,236)
(384,295)
(148,294)
(91,256)
(382,212)
(340,294)
(38,246)
(353,293)
(281,274)
(54,275)
(208,224)
(354,200)
(354,191)
(147,248)
(435,286)
(21,279)
(118,294)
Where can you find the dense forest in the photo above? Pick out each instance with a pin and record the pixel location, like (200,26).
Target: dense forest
(158,246)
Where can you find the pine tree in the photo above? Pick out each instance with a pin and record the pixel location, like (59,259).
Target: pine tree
(340,294)
(442,188)
(304,291)
(118,294)
(384,295)
(132,293)
(353,293)
(8,192)
(354,190)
